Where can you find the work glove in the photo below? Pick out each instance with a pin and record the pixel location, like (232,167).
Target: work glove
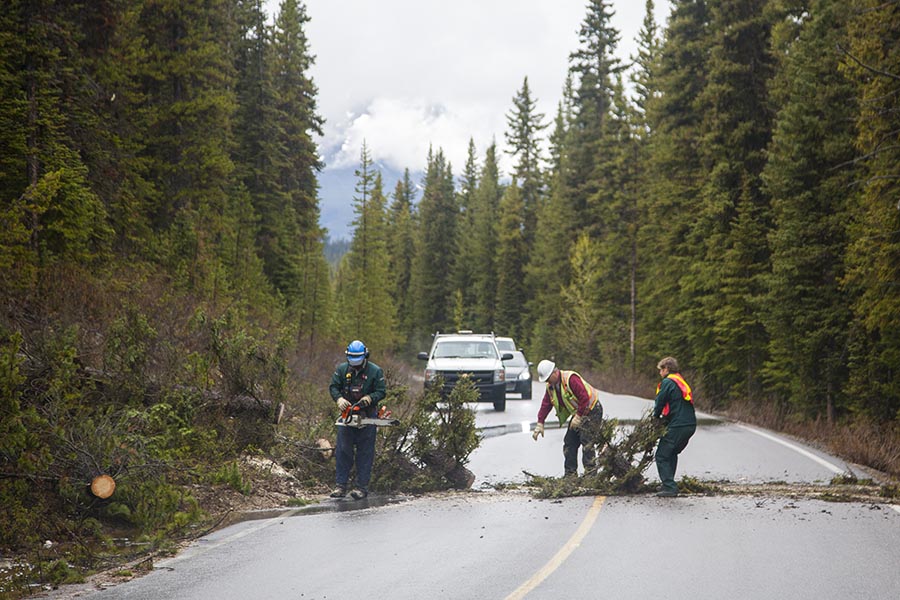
(538,431)
(576,422)
(365,401)
(343,404)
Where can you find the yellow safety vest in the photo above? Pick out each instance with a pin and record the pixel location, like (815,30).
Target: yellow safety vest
(567,405)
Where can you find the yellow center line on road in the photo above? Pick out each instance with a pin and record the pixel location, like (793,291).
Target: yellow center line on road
(564,552)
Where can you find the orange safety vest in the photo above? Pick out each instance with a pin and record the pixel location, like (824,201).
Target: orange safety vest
(682,385)
(568,404)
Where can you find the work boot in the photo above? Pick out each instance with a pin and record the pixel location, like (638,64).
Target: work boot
(359,494)
(339,492)
(666,494)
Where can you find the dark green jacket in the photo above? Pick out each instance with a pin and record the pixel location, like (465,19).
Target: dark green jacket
(353,383)
(681,412)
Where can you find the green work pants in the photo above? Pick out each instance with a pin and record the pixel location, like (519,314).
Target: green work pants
(670,446)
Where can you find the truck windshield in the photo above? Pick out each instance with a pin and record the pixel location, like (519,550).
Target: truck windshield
(465,350)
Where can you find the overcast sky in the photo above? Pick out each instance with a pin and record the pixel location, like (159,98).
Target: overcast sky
(404,75)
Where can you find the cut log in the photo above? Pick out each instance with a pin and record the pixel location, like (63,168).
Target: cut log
(103,486)
(325,449)
(456,474)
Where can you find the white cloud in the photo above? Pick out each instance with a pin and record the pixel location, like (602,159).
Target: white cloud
(392,60)
(400,131)
(408,74)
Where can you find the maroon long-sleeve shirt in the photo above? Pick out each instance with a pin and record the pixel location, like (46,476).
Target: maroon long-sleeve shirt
(577,385)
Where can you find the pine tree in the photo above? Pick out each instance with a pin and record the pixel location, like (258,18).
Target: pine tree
(365,308)
(52,211)
(511,257)
(728,281)
(485,215)
(401,249)
(547,272)
(296,163)
(668,201)
(466,247)
(808,178)
(593,67)
(524,126)
(643,78)
(438,212)
(873,60)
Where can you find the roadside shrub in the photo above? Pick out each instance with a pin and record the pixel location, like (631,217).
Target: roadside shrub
(129,342)
(230,474)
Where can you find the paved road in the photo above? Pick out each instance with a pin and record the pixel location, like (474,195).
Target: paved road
(720,450)
(510,546)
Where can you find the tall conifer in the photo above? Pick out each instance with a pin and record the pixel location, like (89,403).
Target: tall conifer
(873,59)
(727,281)
(808,176)
(438,212)
(511,257)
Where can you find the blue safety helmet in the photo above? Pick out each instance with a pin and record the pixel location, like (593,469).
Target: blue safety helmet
(356,353)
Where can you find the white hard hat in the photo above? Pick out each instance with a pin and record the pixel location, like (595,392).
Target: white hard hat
(545,369)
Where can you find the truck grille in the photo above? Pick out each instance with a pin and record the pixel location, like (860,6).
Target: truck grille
(479,377)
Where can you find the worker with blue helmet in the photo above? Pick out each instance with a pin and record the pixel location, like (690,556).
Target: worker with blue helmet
(361,382)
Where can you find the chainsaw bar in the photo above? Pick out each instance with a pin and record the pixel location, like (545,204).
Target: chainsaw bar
(355,421)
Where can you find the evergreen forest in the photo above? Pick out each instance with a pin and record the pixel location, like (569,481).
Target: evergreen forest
(729,196)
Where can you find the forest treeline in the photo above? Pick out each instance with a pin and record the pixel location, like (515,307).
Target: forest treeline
(729,197)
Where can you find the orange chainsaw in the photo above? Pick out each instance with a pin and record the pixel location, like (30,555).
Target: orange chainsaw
(353,417)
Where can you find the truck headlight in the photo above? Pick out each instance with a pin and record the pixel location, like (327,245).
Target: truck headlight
(500,375)
(430,374)
(525,375)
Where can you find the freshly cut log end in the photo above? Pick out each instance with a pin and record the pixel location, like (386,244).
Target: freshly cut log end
(325,448)
(103,486)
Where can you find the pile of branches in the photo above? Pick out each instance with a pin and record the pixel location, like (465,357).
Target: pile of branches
(427,451)
(622,458)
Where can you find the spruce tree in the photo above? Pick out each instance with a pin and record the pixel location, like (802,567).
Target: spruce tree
(615,207)
(524,126)
(296,163)
(485,215)
(643,78)
(547,271)
(438,212)
(727,281)
(186,77)
(511,258)
(401,250)
(466,247)
(808,176)
(365,308)
(669,197)
(578,316)
(593,67)
(47,200)
(873,61)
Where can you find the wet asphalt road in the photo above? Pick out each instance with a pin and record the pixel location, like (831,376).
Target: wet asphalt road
(485,544)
